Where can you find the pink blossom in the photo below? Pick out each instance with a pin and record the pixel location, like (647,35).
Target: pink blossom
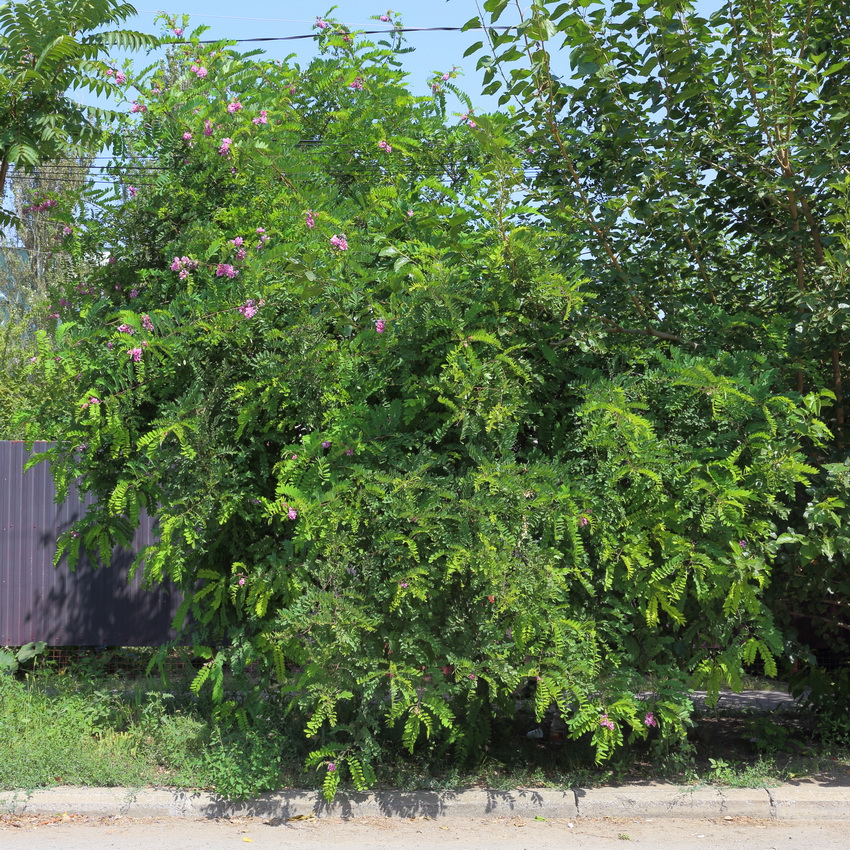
(263,118)
(131,191)
(178,31)
(147,324)
(606,723)
(326,444)
(384,18)
(120,78)
(357,84)
(384,146)
(380,325)
(201,72)
(339,242)
(292,513)
(321,23)
(446,76)
(138,107)
(238,241)
(109,72)
(208,127)
(110,345)
(187,137)
(241,582)
(67,230)
(294,457)
(402,584)
(583,520)
(94,400)
(261,230)
(224,150)
(240,254)
(235,106)
(111,261)
(125,329)
(135,353)
(472,124)
(226,270)
(311,222)
(134,293)
(248,309)
(649,720)
(176,264)
(331,767)
(349,452)
(184,273)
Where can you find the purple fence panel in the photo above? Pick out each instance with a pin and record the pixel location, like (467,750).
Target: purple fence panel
(87,607)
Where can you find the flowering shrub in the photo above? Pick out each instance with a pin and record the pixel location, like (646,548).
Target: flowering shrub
(404,477)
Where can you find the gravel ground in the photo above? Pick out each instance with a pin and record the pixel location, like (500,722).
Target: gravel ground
(75,832)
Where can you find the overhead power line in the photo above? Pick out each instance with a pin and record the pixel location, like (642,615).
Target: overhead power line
(342,32)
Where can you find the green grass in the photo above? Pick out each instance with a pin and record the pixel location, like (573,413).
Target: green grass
(100,722)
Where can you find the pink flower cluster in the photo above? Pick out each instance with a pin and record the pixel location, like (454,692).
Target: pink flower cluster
(649,720)
(380,326)
(339,242)
(208,127)
(357,85)
(226,270)
(44,205)
(262,119)
(199,70)
(321,23)
(178,31)
(119,76)
(384,146)
(263,237)
(468,120)
(224,150)
(187,137)
(147,324)
(138,107)
(92,400)
(135,353)
(132,191)
(385,18)
(249,309)
(308,218)
(606,723)
(125,329)
(238,241)
(183,265)
(233,107)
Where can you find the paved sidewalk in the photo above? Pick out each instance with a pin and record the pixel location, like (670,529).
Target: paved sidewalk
(801,801)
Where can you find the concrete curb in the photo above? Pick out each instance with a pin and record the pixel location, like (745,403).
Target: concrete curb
(789,802)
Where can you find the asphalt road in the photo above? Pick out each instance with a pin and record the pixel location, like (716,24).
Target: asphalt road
(74,832)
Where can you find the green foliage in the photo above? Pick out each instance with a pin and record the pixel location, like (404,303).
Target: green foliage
(414,443)
(48,47)
(11,661)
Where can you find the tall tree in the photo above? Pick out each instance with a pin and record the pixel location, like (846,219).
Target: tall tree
(49,48)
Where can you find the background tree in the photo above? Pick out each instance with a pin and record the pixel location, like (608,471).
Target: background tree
(706,159)
(49,48)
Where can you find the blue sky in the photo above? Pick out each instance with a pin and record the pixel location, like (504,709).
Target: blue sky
(434,51)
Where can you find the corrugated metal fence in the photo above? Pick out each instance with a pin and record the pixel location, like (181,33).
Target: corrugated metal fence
(89,607)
